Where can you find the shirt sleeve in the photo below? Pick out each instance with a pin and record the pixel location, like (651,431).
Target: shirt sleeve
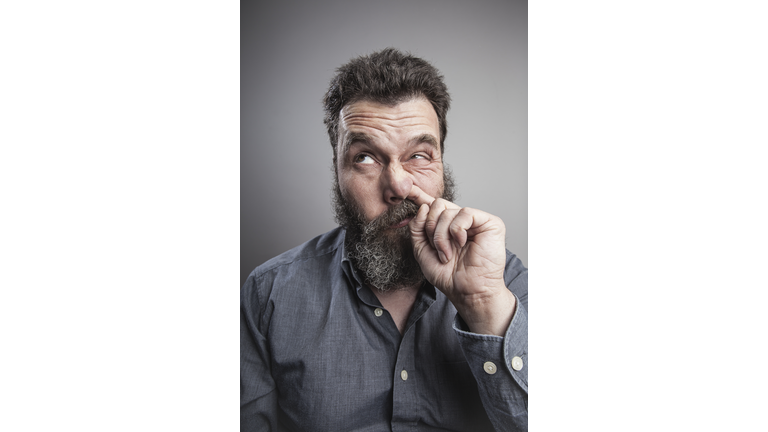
(258,393)
(500,364)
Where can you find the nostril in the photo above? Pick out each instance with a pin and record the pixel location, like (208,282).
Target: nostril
(396,183)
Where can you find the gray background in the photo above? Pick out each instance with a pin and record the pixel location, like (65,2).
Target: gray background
(289,51)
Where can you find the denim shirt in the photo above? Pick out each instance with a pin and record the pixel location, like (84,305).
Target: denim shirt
(319,353)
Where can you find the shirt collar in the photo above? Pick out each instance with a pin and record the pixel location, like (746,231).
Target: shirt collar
(427,293)
(346,264)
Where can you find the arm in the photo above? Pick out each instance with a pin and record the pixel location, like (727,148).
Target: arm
(461,251)
(258,393)
(503,391)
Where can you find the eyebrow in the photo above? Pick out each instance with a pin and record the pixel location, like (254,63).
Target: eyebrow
(361,137)
(353,137)
(426,138)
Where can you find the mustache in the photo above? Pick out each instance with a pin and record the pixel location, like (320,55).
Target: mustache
(393,215)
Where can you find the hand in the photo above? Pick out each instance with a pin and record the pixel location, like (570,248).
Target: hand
(461,251)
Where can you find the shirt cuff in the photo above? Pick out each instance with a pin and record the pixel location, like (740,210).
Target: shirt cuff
(495,359)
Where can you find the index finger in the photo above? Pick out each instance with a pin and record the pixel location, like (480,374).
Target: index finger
(420,197)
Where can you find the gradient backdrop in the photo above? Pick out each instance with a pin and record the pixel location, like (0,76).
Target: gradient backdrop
(289,51)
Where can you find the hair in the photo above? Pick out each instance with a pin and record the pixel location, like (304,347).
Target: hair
(387,77)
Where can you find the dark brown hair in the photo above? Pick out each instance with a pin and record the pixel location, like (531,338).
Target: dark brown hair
(386,77)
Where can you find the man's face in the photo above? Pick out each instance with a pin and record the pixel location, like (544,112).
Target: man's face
(384,150)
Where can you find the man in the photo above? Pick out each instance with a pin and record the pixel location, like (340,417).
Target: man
(411,315)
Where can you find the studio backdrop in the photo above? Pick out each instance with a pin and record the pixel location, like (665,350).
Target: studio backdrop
(289,52)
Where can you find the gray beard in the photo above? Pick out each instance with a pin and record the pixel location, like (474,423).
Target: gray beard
(383,255)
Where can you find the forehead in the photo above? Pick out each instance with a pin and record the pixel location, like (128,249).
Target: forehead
(413,116)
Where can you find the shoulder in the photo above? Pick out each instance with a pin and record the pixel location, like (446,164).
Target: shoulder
(322,245)
(302,263)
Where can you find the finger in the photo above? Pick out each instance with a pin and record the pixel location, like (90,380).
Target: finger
(419,196)
(461,224)
(435,210)
(416,226)
(442,236)
(470,222)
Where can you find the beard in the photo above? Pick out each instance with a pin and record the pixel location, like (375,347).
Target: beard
(382,254)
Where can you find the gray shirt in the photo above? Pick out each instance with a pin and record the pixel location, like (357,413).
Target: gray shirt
(319,353)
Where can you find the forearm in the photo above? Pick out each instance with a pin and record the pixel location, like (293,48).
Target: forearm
(499,365)
(258,393)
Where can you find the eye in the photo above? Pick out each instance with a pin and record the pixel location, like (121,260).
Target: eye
(420,156)
(363,158)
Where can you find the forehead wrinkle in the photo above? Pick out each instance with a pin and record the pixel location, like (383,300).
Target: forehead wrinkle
(369,122)
(389,123)
(374,113)
(410,109)
(383,122)
(351,137)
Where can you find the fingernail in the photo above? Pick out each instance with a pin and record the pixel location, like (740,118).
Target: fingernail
(443,259)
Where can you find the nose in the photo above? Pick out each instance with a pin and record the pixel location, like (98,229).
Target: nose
(397,183)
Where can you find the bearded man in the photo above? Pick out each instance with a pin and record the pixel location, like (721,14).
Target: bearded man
(411,315)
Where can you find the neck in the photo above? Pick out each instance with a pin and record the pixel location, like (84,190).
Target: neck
(398,303)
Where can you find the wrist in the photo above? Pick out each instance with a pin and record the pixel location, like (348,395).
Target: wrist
(489,315)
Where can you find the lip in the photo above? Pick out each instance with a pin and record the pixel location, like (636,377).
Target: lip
(402,223)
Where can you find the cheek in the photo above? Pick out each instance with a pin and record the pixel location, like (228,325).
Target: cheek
(361,191)
(429,180)
(352,183)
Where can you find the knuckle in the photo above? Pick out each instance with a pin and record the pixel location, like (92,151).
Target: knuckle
(440,240)
(441,203)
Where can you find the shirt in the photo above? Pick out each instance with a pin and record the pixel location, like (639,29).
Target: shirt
(319,353)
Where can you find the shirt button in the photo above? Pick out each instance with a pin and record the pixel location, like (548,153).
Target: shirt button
(378,311)
(404,375)
(489,368)
(517,363)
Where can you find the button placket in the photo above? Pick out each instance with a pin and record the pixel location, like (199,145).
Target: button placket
(489,368)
